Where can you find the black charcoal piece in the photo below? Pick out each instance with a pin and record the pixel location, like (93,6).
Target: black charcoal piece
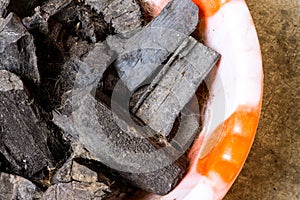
(89,70)
(23,8)
(83,22)
(123,149)
(123,15)
(17,50)
(16,187)
(95,126)
(175,85)
(142,55)
(23,136)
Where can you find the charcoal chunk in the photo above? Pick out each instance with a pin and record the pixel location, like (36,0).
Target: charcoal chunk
(95,126)
(16,187)
(43,13)
(23,8)
(51,7)
(123,15)
(83,174)
(84,22)
(17,50)
(3,6)
(89,69)
(24,137)
(175,85)
(97,129)
(142,55)
(82,167)
(76,190)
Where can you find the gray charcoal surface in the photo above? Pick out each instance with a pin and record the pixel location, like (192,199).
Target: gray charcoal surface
(123,15)
(17,50)
(3,6)
(16,187)
(58,128)
(97,129)
(26,142)
(175,85)
(142,55)
(78,182)
(93,124)
(76,191)
(51,7)
(78,77)
(82,167)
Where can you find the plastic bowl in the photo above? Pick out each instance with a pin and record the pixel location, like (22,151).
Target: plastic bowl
(233,110)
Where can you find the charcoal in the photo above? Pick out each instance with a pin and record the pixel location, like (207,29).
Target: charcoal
(85,169)
(123,15)
(90,70)
(65,121)
(142,55)
(83,174)
(43,13)
(76,190)
(17,50)
(26,142)
(114,146)
(175,85)
(105,131)
(23,8)
(37,21)
(51,7)
(16,187)
(83,22)
(3,6)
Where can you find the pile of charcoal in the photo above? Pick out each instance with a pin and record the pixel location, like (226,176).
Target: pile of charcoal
(98,98)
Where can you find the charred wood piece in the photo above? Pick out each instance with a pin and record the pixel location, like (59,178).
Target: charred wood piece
(23,135)
(123,15)
(142,55)
(175,85)
(17,50)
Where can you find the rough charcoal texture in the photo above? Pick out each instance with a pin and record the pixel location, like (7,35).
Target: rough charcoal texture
(17,50)
(175,85)
(3,6)
(95,126)
(23,8)
(82,183)
(142,54)
(111,145)
(58,51)
(43,13)
(76,191)
(16,187)
(89,70)
(26,142)
(123,15)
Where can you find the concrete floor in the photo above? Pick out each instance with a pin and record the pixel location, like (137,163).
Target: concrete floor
(272,170)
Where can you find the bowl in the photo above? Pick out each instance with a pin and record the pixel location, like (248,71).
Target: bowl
(233,109)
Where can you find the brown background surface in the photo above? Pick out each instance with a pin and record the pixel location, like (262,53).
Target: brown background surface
(272,170)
